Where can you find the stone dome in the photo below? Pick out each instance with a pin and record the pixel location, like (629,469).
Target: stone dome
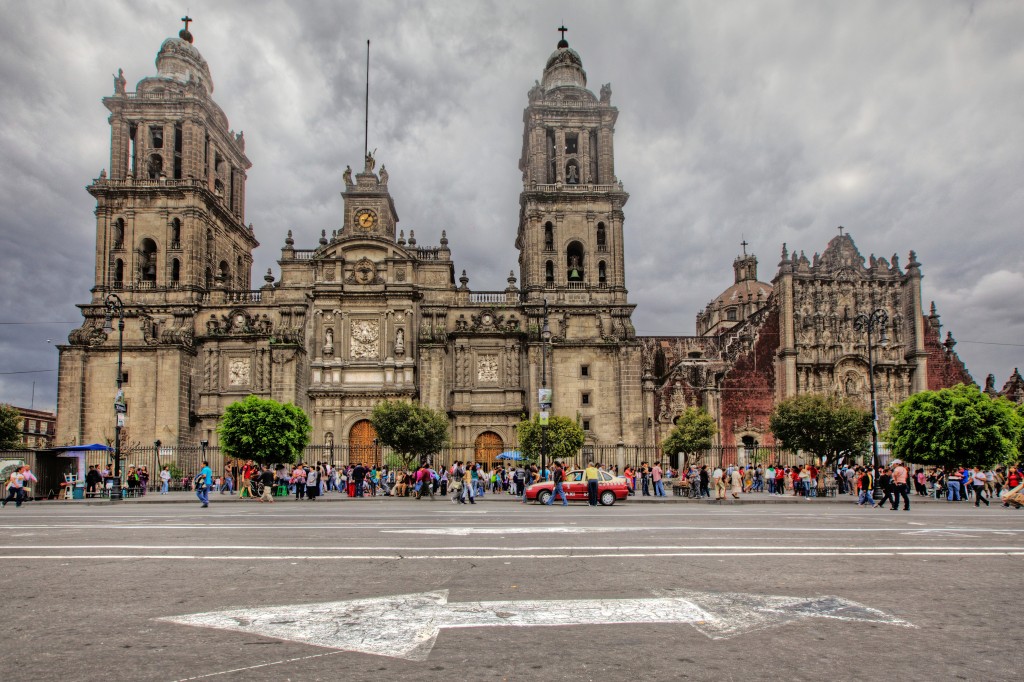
(564,68)
(179,60)
(743,292)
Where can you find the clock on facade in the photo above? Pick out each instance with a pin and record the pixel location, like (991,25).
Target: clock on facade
(366,219)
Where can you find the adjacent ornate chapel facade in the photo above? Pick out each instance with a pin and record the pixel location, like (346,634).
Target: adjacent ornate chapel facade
(368,314)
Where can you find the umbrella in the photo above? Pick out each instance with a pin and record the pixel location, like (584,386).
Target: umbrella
(510,454)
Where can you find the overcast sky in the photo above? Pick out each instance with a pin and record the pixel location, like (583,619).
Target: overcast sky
(775,121)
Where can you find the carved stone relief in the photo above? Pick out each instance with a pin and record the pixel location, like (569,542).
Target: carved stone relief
(239,372)
(487,369)
(364,340)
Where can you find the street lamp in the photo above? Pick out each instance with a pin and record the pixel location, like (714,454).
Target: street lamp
(156,462)
(545,337)
(872,323)
(114,306)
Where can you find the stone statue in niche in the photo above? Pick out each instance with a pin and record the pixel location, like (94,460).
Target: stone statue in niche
(329,341)
(400,342)
(329,439)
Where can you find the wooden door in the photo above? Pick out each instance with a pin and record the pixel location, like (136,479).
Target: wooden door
(362,445)
(488,446)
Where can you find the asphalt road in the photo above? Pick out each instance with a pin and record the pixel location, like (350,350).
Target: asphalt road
(926,594)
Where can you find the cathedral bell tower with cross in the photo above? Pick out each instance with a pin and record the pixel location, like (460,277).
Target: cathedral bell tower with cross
(570,242)
(570,223)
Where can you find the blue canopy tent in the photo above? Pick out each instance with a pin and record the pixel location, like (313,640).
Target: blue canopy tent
(510,454)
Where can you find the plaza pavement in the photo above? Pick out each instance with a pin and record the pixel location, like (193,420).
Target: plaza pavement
(794,591)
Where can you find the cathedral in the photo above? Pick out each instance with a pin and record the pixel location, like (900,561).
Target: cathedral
(369,314)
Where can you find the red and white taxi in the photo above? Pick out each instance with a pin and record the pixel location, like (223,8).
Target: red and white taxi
(609,489)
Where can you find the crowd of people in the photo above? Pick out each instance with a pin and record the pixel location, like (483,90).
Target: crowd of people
(467,481)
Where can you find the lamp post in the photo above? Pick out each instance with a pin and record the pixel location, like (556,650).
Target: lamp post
(545,337)
(156,462)
(202,456)
(114,306)
(872,323)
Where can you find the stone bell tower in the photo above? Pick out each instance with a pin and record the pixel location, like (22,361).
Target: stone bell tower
(171,214)
(170,238)
(570,242)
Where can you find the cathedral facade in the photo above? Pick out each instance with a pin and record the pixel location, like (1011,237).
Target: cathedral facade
(369,314)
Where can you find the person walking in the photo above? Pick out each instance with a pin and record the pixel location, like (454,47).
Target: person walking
(978,480)
(267,479)
(863,475)
(592,476)
(900,485)
(737,484)
(359,476)
(312,484)
(885,483)
(165,479)
(203,482)
(719,479)
(15,487)
(93,479)
(468,489)
(558,476)
(656,478)
(952,485)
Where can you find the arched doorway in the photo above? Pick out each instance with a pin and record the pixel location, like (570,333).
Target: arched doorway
(488,446)
(362,444)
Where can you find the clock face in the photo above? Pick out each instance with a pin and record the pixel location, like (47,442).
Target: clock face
(366,219)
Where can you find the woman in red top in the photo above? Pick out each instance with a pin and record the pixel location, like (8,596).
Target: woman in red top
(780,480)
(794,475)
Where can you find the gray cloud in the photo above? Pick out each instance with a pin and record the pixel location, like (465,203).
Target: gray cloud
(775,121)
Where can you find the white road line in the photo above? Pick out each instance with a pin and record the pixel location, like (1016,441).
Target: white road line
(462,530)
(482,557)
(261,665)
(538,548)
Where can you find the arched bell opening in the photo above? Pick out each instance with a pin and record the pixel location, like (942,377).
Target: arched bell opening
(574,261)
(572,173)
(147,260)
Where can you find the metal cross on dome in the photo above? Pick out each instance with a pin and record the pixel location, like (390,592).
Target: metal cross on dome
(744,244)
(562,29)
(187,19)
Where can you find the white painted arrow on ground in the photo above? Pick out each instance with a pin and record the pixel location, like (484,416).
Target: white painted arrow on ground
(405,626)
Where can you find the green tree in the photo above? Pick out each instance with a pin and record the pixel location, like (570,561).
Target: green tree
(412,431)
(10,428)
(956,426)
(564,438)
(824,426)
(264,430)
(694,432)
